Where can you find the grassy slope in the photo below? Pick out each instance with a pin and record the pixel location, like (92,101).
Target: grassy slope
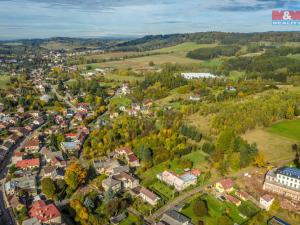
(174,54)
(289,129)
(273,146)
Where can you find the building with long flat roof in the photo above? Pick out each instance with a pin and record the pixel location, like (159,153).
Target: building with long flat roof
(284,181)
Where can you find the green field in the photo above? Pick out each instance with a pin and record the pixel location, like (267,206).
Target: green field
(131,219)
(289,129)
(215,210)
(197,157)
(143,62)
(4,80)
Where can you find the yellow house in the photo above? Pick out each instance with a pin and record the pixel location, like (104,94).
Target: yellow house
(225,185)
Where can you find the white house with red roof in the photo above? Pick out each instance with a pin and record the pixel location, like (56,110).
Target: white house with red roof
(234,200)
(225,185)
(131,158)
(32,145)
(47,214)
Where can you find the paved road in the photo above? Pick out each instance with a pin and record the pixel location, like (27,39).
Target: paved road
(6,218)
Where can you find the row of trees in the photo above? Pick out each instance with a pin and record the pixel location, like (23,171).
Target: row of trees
(231,152)
(213,52)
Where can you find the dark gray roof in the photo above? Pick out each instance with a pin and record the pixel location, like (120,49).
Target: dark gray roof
(173,217)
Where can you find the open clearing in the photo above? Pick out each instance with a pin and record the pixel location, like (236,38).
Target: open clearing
(173,54)
(4,80)
(143,62)
(273,146)
(289,129)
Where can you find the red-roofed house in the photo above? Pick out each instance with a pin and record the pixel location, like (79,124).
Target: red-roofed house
(129,155)
(73,136)
(196,172)
(47,214)
(124,151)
(225,185)
(233,199)
(28,164)
(32,145)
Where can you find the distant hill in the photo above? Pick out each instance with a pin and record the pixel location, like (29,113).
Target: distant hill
(160,41)
(146,43)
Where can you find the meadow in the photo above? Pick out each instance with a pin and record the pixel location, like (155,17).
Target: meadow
(289,129)
(216,208)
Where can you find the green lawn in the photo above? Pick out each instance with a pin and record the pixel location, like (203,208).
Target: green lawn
(131,219)
(163,190)
(289,129)
(120,101)
(4,80)
(215,208)
(149,176)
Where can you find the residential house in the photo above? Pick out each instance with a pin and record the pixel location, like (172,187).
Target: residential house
(148,103)
(242,195)
(197,75)
(225,185)
(266,201)
(195,98)
(59,173)
(106,166)
(70,147)
(14,138)
(233,199)
(47,171)
(118,219)
(148,196)
(111,183)
(32,145)
(130,157)
(28,164)
(53,158)
(284,181)
(47,214)
(38,121)
(128,182)
(173,217)
(26,183)
(17,156)
(179,182)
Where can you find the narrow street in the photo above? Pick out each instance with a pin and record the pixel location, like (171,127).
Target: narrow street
(6,217)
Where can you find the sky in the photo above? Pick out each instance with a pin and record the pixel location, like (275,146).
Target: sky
(135,18)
